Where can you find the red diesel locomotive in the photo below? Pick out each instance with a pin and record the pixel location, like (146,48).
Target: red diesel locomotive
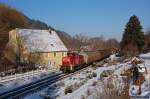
(75,61)
(71,61)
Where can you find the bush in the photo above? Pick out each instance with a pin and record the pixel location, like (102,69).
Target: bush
(83,97)
(88,92)
(94,74)
(69,89)
(94,83)
(88,71)
(106,73)
(103,74)
(90,76)
(94,66)
(111,91)
(77,85)
(47,97)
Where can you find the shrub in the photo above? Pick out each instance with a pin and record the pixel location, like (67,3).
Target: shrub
(106,73)
(88,71)
(103,74)
(77,85)
(112,91)
(83,97)
(47,97)
(94,74)
(69,89)
(94,66)
(89,76)
(94,83)
(88,92)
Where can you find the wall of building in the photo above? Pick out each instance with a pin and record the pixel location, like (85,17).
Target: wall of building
(49,60)
(56,58)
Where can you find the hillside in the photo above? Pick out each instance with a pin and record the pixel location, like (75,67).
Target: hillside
(11,18)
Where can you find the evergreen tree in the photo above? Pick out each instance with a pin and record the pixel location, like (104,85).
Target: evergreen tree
(133,36)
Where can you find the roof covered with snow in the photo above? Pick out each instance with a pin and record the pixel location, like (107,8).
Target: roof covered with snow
(41,40)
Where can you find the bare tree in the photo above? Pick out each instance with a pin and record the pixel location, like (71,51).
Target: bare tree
(98,43)
(81,39)
(113,44)
(147,42)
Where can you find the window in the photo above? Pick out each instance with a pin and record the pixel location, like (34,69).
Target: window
(49,54)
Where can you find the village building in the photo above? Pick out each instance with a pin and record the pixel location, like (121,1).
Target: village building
(39,47)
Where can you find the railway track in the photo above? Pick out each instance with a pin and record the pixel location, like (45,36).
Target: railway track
(25,89)
(21,91)
(19,76)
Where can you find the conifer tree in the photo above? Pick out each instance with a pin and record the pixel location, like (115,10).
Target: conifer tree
(133,37)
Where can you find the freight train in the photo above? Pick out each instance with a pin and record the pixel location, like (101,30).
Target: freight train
(74,60)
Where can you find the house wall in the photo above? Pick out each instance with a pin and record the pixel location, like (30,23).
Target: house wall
(56,58)
(51,60)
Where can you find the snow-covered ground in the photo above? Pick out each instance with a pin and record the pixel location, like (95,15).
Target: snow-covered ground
(145,87)
(17,80)
(84,86)
(80,80)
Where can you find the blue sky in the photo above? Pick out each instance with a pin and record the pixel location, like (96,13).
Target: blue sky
(91,17)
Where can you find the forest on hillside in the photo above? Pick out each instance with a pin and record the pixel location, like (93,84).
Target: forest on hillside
(11,18)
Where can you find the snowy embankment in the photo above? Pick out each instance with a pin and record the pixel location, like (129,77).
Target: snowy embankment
(13,81)
(87,86)
(96,87)
(145,86)
(111,82)
(93,83)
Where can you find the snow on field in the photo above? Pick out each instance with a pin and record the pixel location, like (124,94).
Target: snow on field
(22,80)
